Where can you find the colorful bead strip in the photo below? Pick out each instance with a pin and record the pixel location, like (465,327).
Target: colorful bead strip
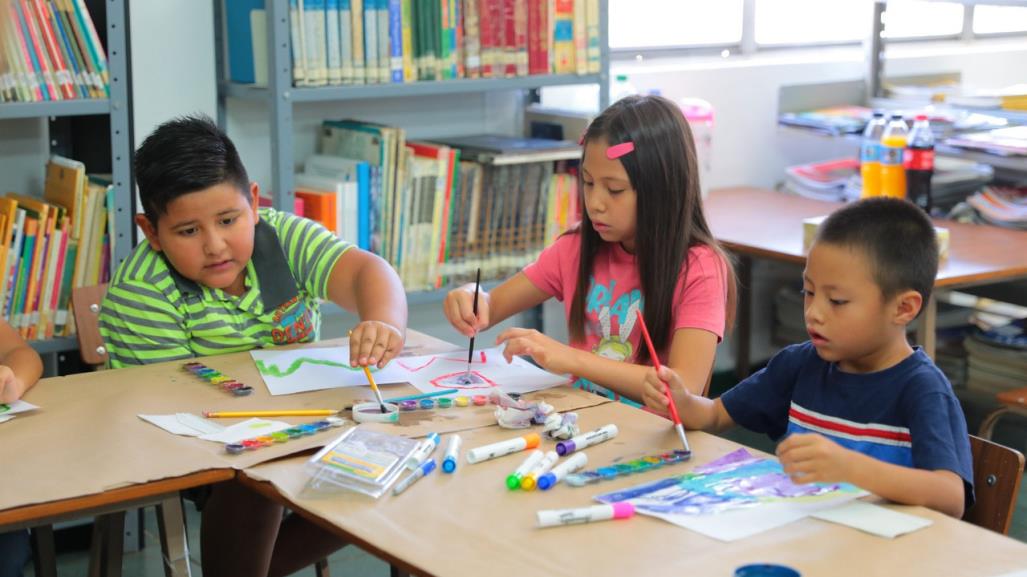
(639,465)
(214,377)
(282,436)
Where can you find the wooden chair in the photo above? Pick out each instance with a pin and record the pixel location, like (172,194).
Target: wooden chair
(997,473)
(1013,401)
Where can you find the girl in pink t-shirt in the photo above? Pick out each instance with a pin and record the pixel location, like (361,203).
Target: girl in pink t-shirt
(643,244)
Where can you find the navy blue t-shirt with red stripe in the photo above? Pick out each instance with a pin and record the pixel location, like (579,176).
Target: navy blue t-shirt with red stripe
(906,414)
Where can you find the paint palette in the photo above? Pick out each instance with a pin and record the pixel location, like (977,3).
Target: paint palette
(304,430)
(214,377)
(640,465)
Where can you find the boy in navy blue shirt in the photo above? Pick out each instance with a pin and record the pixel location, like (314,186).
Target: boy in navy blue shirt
(856,403)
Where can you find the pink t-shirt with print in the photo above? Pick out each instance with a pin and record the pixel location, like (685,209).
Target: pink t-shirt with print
(616,292)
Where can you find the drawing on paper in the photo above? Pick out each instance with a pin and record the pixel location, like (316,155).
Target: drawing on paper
(310,369)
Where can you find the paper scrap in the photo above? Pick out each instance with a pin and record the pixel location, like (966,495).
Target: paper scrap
(247,429)
(186,424)
(5,418)
(16,407)
(873,519)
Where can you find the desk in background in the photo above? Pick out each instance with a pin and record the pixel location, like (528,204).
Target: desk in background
(757,223)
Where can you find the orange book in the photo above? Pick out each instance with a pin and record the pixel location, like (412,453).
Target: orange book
(322,206)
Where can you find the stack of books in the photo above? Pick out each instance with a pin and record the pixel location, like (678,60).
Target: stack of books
(337,42)
(1002,206)
(997,358)
(834,120)
(833,180)
(1008,141)
(50,51)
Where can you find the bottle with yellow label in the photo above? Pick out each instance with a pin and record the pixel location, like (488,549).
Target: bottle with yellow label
(893,145)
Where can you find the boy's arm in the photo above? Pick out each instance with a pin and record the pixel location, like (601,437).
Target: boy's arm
(696,412)
(364,283)
(813,458)
(20,365)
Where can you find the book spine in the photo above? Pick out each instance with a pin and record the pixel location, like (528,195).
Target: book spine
(384,43)
(79,81)
(346,40)
(29,75)
(407,24)
(396,68)
(520,37)
(371,41)
(38,53)
(334,52)
(316,46)
(594,42)
(580,37)
(359,58)
(49,41)
(298,43)
(472,39)
(563,37)
(509,36)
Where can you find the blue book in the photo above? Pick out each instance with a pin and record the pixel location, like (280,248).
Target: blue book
(240,39)
(396,41)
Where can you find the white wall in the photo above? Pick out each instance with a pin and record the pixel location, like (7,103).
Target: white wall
(173,74)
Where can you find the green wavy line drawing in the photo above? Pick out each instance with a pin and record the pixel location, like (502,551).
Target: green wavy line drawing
(272,370)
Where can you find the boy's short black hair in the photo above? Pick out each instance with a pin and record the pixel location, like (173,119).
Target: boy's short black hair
(897,237)
(185,154)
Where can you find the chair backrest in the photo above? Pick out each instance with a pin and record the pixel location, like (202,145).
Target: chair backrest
(997,473)
(85,305)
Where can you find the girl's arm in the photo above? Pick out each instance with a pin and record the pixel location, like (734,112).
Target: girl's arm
(20,365)
(691,356)
(692,353)
(514,295)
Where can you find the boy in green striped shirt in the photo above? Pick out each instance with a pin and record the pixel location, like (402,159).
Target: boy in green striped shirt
(218,275)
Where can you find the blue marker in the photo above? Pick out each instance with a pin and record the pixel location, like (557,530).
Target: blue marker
(452,454)
(421,471)
(423,451)
(575,462)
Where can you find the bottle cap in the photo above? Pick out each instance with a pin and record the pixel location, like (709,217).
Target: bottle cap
(921,117)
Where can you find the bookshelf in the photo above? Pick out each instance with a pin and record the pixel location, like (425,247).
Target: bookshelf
(281,96)
(118,110)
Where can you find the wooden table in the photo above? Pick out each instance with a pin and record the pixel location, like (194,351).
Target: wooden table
(758,223)
(86,452)
(469,524)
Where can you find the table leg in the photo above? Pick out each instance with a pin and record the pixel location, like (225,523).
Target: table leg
(173,541)
(44,559)
(743,330)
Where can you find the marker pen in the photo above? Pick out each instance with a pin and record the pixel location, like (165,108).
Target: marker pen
(595,437)
(452,454)
(419,472)
(557,517)
(513,481)
(569,465)
(530,481)
(502,448)
(423,451)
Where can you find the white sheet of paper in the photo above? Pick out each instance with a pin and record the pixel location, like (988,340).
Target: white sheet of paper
(247,429)
(300,370)
(873,519)
(185,424)
(16,407)
(5,418)
(742,523)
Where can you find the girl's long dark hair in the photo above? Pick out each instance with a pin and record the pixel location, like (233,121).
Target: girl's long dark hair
(670,220)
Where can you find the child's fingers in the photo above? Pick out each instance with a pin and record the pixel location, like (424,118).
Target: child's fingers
(367,342)
(454,313)
(392,349)
(671,378)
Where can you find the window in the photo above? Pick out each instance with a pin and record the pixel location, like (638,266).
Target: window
(662,23)
(811,21)
(999,19)
(920,19)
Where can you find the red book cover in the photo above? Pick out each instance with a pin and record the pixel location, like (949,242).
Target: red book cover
(509,36)
(61,74)
(538,37)
(520,43)
(35,44)
(486,42)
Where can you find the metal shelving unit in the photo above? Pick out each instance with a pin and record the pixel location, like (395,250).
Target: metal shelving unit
(118,107)
(282,96)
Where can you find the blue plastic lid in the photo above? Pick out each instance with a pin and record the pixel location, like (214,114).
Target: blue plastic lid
(546,481)
(449,465)
(766,570)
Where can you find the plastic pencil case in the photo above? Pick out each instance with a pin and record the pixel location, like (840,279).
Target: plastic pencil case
(640,465)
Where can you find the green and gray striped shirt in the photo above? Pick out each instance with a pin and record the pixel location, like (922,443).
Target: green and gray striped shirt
(152,313)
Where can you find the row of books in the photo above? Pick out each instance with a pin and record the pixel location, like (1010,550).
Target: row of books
(50,50)
(438,211)
(337,42)
(1002,205)
(51,245)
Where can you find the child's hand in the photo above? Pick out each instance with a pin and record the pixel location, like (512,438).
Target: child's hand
(653,395)
(550,354)
(459,309)
(813,458)
(11,387)
(374,343)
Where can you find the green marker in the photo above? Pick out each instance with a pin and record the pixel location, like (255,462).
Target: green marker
(513,481)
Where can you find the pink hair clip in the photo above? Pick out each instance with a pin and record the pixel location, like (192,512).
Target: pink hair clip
(618,150)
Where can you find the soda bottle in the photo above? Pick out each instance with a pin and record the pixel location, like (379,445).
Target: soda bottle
(919,163)
(870,155)
(893,146)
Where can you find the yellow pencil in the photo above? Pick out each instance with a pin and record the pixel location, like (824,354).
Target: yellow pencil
(374,387)
(271,413)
